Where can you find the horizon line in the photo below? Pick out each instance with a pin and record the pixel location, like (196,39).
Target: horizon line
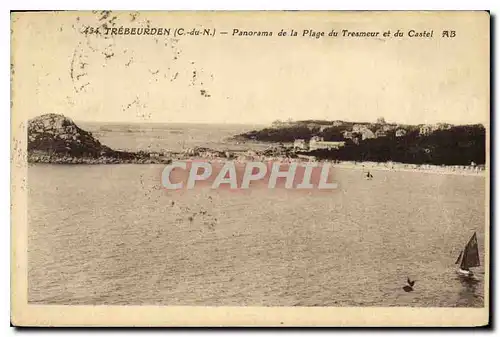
(268,123)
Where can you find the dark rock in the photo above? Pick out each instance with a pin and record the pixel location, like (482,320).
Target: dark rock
(54,138)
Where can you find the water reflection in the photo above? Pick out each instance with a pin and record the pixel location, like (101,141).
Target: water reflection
(467,294)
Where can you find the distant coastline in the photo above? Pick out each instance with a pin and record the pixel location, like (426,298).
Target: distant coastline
(243,157)
(55,139)
(423,144)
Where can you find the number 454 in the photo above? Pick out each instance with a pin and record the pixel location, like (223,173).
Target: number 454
(91,30)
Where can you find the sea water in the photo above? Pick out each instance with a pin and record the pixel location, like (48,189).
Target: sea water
(110,234)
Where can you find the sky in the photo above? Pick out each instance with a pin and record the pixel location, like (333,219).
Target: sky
(250,79)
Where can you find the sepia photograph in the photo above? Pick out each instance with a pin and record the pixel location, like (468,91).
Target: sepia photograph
(250,168)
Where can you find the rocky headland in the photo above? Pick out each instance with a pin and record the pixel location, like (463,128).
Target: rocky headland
(54,138)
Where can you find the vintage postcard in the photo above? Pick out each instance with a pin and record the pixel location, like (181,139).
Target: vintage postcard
(250,168)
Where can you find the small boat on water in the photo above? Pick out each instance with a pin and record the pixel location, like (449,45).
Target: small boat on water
(469,257)
(369,175)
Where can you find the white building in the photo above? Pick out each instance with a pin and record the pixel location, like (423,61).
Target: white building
(300,144)
(317,143)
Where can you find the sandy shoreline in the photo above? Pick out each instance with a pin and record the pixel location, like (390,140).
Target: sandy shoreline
(245,157)
(363,166)
(454,170)
(55,139)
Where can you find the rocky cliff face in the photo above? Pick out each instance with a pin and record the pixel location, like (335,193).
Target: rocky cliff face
(59,135)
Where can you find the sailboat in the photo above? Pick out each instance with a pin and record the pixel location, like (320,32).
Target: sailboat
(469,257)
